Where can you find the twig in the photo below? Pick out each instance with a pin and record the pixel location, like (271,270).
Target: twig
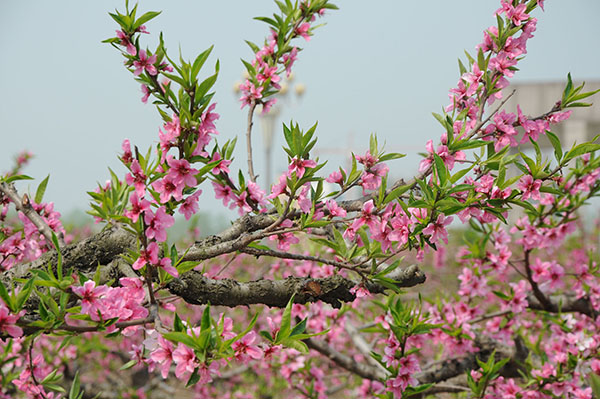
(249,140)
(288,255)
(363,347)
(24,206)
(490,316)
(344,361)
(536,289)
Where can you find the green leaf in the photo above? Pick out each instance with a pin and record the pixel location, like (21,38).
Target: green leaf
(6,298)
(395,193)
(205,86)
(440,167)
(59,263)
(595,384)
(122,20)
(555,141)
(74,391)
(39,193)
(205,323)
(299,328)
(568,88)
(467,144)
(178,325)
(580,150)
(17,177)
(183,338)
(194,378)
(145,18)
(268,21)
(286,319)
(461,173)
(25,293)
(199,62)
(295,344)
(128,365)
(533,167)
(390,156)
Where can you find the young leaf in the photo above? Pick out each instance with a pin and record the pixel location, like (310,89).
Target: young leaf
(39,193)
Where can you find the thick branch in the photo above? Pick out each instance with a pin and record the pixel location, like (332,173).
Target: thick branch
(194,288)
(456,366)
(83,256)
(564,303)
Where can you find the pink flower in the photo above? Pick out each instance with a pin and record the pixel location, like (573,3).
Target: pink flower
(289,59)
(146,93)
(8,323)
(186,361)
(518,14)
(127,156)
(304,202)
(190,205)
(168,187)
(529,187)
(137,178)
(367,160)
(149,255)
(157,224)
(167,266)
(367,217)
(163,355)
(360,291)
(503,64)
(240,203)
(302,30)
(207,371)
(437,229)
(222,166)
(90,297)
(224,192)
(279,188)
(285,239)
(137,207)
(181,172)
(256,193)
(266,106)
(559,116)
(250,93)
(125,41)
(244,348)
(335,209)
(299,166)
(409,366)
(556,273)
(145,63)
(335,177)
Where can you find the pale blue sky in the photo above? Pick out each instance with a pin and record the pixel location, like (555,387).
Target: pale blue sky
(375,67)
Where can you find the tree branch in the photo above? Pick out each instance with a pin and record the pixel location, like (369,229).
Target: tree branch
(564,303)
(83,256)
(196,289)
(24,206)
(249,140)
(344,361)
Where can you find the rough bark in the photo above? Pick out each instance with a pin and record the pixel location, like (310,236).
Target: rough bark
(196,289)
(84,256)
